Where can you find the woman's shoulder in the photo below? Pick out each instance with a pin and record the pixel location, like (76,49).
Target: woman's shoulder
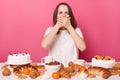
(50,27)
(48,30)
(78,29)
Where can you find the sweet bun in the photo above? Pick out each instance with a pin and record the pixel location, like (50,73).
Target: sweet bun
(108,58)
(6,72)
(98,57)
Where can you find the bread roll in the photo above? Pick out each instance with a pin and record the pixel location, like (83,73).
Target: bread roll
(6,72)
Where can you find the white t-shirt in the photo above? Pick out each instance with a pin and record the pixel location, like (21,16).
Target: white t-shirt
(64,49)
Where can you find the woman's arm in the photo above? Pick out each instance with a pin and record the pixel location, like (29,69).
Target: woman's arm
(50,37)
(79,41)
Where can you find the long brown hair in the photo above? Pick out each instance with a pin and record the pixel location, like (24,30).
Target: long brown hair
(73,21)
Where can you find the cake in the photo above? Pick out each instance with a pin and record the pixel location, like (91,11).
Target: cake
(105,62)
(18,59)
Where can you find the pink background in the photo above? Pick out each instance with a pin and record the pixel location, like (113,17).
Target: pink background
(23,23)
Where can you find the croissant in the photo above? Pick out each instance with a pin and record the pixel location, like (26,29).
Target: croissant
(113,71)
(69,69)
(65,74)
(20,75)
(71,64)
(98,71)
(117,65)
(61,67)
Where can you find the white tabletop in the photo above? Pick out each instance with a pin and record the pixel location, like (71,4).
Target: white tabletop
(13,77)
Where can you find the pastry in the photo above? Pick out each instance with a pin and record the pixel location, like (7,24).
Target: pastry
(61,67)
(6,72)
(81,75)
(13,66)
(117,65)
(98,57)
(71,64)
(77,67)
(23,71)
(65,74)
(91,76)
(34,74)
(69,69)
(98,71)
(20,75)
(41,68)
(5,66)
(34,64)
(113,71)
(107,58)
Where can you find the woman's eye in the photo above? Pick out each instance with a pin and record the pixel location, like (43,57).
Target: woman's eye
(66,13)
(60,12)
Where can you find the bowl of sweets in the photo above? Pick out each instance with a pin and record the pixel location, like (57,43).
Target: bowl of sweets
(53,66)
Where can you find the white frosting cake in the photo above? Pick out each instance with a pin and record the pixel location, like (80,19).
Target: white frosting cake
(19,59)
(103,63)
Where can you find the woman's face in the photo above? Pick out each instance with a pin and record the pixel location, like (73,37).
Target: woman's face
(63,11)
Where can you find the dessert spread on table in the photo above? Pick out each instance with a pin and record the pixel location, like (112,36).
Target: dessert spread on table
(25,68)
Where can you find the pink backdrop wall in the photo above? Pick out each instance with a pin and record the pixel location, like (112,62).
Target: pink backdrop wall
(23,23)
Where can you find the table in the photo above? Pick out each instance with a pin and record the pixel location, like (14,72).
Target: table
(13,77)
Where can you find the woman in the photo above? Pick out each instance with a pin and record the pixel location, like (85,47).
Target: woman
(64,38)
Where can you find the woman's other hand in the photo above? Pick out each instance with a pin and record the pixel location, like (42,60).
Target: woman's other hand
(64,22)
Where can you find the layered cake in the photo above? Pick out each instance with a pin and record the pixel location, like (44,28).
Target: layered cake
(105,62)
(18,58)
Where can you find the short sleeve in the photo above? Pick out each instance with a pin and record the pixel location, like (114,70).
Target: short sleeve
(79,32)
(48,30)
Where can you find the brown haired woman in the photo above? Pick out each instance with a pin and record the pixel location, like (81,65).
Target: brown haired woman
(64,38)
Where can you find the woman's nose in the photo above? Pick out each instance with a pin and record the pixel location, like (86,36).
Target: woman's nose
(64,15)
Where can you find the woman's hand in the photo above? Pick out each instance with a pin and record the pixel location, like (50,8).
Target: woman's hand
(59,22)
(64,22)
